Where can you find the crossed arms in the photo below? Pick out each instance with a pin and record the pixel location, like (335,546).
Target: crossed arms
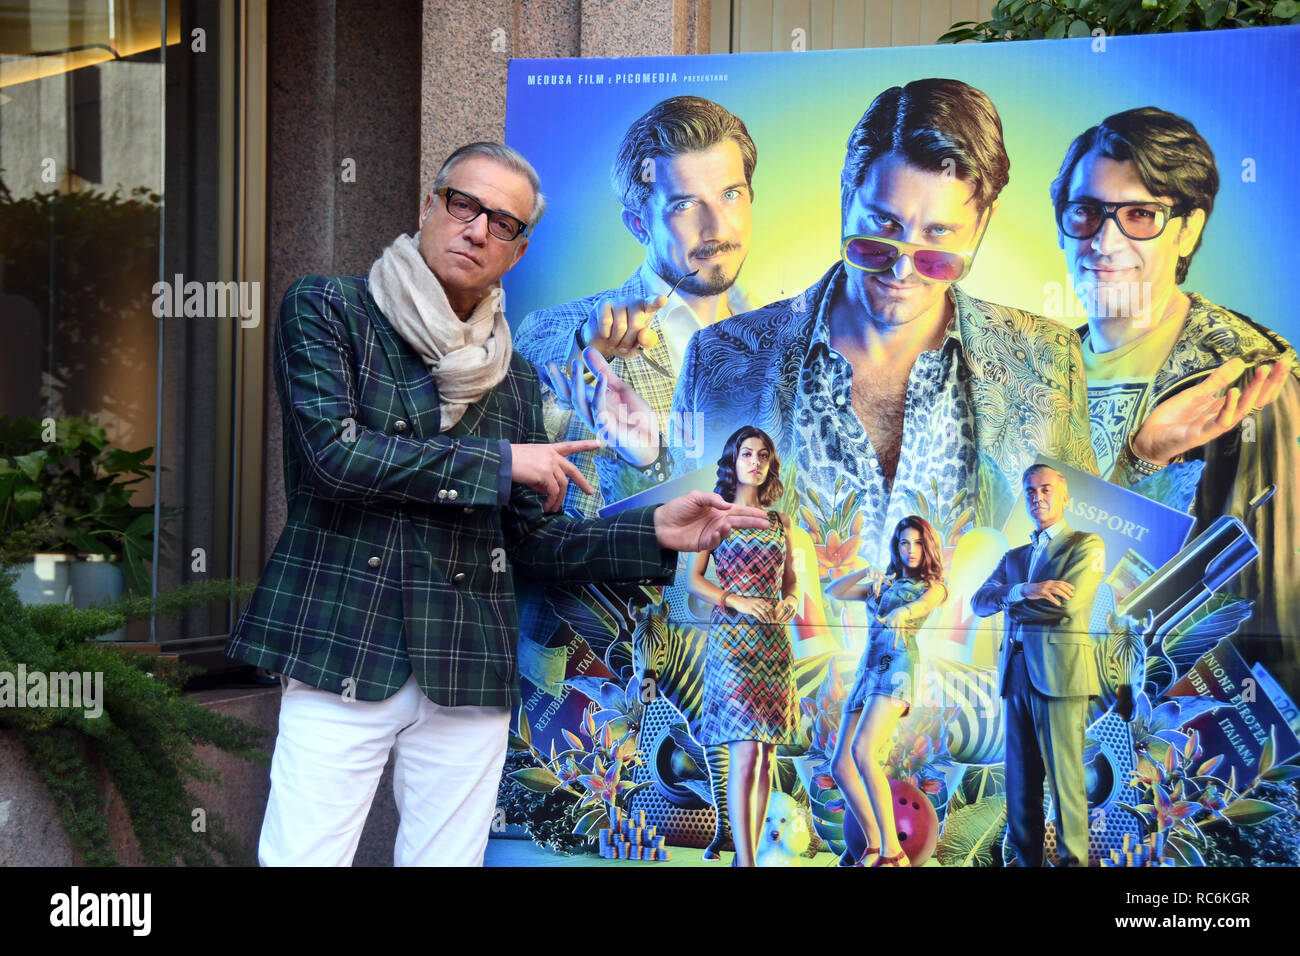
(1082,571)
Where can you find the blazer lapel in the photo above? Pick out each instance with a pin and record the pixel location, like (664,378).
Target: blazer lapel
(473,421)
(981,393)
(415,386)
(647,381)
(1056,552)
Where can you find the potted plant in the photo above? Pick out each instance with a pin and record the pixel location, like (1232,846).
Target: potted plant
(66,516)
(142,730)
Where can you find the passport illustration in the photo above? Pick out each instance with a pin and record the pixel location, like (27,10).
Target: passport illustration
(1125,520)
(1240,728)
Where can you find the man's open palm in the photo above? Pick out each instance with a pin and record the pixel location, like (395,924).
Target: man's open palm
(1200,414)
(700,520)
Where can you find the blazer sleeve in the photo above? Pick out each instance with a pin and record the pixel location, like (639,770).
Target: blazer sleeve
(992,595)
(1084,568)
(557,548)
(342,458)
(547,334)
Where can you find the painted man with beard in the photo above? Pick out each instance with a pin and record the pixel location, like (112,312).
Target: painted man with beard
(683,174)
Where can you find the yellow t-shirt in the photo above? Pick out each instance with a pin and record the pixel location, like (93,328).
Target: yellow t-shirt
(1119,387)
(1138,359)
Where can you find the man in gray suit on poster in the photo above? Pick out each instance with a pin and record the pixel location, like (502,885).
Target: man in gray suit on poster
(1046,669)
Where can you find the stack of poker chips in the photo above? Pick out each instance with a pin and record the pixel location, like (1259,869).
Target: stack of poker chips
(1150,852)
(628,838)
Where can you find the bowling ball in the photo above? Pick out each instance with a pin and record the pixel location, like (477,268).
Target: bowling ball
(914,817)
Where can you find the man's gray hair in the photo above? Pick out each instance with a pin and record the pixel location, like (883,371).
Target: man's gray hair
(1037,467)
(505,156)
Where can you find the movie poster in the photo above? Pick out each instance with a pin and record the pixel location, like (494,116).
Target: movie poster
(848,654)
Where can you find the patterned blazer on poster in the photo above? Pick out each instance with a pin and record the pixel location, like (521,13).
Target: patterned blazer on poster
(1026,384)
(547,335)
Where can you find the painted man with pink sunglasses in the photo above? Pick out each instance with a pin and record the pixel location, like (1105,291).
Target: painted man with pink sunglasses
(885,378)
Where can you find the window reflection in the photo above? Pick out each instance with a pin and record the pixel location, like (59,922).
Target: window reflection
(98,122)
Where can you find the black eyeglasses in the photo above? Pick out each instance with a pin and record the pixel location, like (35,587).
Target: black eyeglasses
(466,208)
(1083,218)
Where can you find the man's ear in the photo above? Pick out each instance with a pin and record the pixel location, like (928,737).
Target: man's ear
(1190,232)
(519,253)
(636,227)
(426,207)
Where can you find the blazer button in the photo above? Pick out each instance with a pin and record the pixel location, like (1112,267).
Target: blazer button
(469,511)
(374,562)
(442,494)
(451,495)
(399,426)
(458,577)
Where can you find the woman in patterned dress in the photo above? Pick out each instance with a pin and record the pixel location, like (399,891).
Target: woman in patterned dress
(882,693)
(748,693)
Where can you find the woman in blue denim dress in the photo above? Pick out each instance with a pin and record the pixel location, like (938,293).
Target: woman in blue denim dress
(898,604)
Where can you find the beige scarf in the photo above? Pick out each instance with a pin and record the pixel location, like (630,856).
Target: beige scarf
(468,357)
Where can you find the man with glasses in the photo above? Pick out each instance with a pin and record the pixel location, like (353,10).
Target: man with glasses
(419,480)
(885,380)
(466,208)
(684,176)
(1171,375)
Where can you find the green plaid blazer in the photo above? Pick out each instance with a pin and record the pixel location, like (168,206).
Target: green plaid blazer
(547,336)
(401,544)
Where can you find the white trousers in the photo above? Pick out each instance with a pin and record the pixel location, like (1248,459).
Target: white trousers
(331,752)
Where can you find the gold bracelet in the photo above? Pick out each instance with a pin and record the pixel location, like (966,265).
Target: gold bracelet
(1135,464)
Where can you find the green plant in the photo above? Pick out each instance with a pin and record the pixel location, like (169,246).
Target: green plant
(64,489)
(949,521)
(1274,842)
(1054,19)
(548,818)
(975,819)
(836,531)
(144,737)
(972,832)
(1182,795)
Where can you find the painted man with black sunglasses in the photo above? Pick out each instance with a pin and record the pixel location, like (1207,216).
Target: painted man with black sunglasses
(1171,375)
